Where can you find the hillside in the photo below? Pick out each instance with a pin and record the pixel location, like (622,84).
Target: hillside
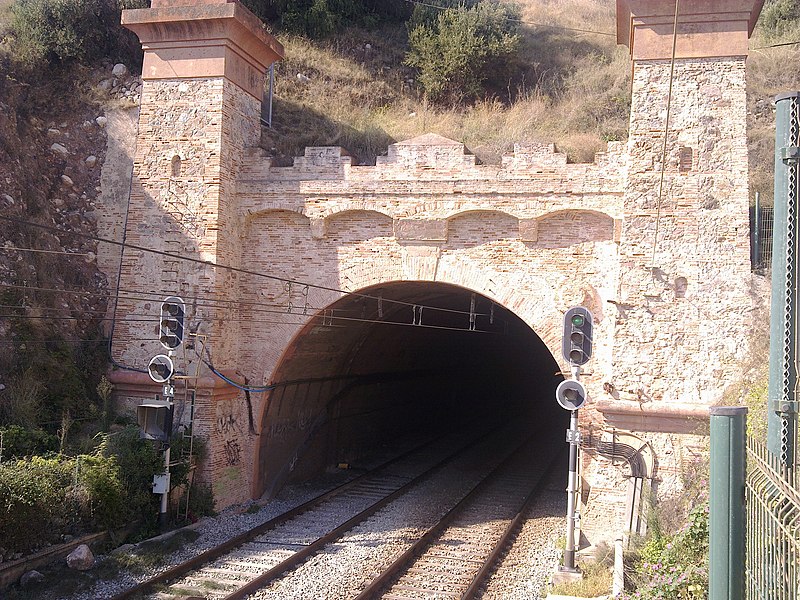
(353,90)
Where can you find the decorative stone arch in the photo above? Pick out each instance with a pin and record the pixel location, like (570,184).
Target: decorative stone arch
(571,226)
(321,226)
(355,206)
(277,206)
(461,212)
(479,205)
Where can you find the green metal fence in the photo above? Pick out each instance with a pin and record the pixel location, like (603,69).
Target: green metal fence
(773,528)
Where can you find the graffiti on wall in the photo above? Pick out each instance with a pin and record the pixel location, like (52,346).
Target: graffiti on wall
(228,426)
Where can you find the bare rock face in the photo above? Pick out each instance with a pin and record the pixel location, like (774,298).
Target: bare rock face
(80,559)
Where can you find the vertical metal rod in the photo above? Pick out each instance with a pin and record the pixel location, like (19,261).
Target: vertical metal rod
(169,395)
(572,488)
(755,257)
(266,103)
(162,513)
(782,398)
(572,483)
(726,503)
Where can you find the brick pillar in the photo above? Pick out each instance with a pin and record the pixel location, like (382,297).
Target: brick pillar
(203,80)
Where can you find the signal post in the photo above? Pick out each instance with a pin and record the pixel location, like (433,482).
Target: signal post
(155,419)
(576,348)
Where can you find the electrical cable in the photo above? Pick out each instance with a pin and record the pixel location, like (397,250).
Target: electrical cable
(154,296)
(17,249)
(113,327)
(211,264)
(322,317)
(666,135)
(776,45)
(210,366)
(321,313)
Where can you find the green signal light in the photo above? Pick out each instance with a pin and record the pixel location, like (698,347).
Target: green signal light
(578,320)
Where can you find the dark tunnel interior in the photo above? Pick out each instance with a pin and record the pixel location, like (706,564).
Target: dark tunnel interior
(399,360)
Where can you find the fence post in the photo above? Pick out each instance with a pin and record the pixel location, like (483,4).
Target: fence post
(782,410)
(726,503)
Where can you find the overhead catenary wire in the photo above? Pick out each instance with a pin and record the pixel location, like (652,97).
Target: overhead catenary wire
(222,266)
(213,303)
(322,317)
(326,314)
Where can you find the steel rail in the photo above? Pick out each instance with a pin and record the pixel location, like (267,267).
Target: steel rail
(384,580)
(300,556)
(509,534)
(247,536)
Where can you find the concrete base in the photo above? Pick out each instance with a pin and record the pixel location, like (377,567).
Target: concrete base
(564,575)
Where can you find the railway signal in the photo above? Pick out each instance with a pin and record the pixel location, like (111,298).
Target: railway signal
(570,394)
(160,368)
(576,348)
(171,323)
(576,344)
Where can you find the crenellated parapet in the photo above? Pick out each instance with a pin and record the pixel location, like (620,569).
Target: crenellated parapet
(432,179)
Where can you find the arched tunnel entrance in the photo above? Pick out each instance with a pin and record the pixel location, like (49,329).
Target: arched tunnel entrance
(394,360)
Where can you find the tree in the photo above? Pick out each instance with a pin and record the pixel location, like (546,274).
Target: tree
(321,18)
(59,31)
(463,49)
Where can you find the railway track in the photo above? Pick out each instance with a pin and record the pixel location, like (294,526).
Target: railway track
(264,557)
(455,558)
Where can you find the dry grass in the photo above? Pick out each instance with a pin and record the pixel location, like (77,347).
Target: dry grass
(770,71)
(572,91)
(5,13)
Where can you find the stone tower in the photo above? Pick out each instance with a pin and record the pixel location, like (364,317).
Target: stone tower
(204,71)
(684,304)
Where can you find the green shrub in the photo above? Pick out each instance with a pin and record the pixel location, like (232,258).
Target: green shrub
(463,49)
(780,18)
(201,501)
(675,566)
(43,498)
(321,18)
(58,31)
(19,442)
(32,501)
(137,461)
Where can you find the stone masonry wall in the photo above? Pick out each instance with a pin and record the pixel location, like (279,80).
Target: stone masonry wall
(684,308)
(667,278)
(516,239)
(192,135)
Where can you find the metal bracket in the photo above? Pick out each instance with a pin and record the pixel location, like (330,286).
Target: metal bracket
(790,154)
(784,407)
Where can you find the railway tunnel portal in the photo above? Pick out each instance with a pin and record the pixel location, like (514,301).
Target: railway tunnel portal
(318,281)
(405,359)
